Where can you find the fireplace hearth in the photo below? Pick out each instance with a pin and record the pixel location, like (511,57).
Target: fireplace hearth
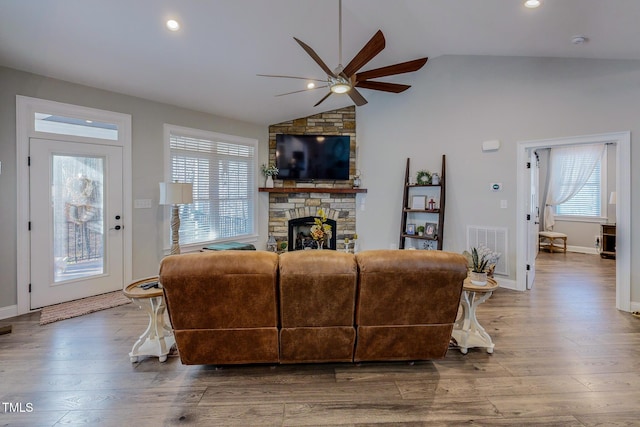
(300,234)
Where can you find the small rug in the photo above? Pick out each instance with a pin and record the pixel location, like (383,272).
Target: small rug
(67,310)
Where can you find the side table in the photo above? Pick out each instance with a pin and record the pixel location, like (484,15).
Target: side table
(467,332)
(158,339)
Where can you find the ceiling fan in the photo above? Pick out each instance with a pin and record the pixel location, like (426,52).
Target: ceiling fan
(347,79)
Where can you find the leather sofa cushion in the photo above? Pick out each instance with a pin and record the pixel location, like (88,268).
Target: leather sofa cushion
(409,287)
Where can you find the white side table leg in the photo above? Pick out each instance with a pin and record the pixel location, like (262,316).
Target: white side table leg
(158,338)
(467,331)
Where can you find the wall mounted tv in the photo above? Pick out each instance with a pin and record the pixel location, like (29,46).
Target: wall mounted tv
(311,157)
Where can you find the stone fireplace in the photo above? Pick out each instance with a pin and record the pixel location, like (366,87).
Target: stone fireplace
(299,201)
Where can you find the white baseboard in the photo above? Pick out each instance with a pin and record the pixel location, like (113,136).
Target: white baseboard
(635,306)
(582,250)
(506,283)
(10,311)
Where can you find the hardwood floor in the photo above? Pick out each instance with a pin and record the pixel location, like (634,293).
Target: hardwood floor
(564,356)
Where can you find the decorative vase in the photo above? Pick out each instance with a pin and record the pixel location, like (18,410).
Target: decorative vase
(320,244)
(269,183)
(478,279)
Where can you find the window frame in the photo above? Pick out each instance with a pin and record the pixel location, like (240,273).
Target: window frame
(603,199)
(252,191)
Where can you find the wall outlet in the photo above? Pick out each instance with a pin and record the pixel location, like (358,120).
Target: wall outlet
(597,240)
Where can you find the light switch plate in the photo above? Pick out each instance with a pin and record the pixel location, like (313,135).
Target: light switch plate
(142,204)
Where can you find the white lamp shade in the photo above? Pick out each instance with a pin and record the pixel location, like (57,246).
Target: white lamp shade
(176,193)
(612,198)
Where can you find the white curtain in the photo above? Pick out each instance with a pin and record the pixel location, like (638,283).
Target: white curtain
(569,169)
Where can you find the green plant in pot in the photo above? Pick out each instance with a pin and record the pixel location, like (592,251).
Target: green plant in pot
(482,261)
(420,230)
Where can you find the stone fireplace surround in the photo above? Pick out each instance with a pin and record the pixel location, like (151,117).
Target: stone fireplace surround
(305,198)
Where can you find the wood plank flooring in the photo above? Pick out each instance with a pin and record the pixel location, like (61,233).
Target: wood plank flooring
(564,356)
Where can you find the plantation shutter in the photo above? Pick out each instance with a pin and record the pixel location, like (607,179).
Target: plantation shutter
(222,174)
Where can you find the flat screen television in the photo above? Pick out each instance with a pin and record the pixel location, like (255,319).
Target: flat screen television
(311,157)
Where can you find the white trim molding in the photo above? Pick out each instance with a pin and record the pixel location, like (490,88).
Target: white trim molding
(623,207)
(26,107)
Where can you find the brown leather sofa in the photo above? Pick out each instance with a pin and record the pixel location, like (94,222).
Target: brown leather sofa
(237,307)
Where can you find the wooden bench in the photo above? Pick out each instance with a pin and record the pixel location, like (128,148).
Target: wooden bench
(547,240)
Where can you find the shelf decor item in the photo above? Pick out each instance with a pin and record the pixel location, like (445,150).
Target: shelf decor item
(320,230)
(269,171)
(356,179)
(420,230)
(431,230)
(411,229)
(423,177)
(418,202)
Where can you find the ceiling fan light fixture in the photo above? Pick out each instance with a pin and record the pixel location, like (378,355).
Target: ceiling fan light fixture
(340,88)
(532,4)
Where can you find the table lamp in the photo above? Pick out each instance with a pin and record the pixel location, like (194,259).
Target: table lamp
(175,194)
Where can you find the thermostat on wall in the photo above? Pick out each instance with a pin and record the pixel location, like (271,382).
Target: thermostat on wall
(492,145)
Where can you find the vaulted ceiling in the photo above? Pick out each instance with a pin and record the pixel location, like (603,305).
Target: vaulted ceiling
(211,63)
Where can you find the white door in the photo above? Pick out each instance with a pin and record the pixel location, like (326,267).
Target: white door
(76,239)
(533,218)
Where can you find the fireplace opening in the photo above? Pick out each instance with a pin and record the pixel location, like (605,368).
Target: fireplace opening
(300,234)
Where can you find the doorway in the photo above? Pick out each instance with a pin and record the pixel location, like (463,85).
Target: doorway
(74,202)
(76,220)
(623,209)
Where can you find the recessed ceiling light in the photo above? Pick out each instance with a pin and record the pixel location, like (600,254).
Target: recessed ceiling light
(173,25)
(532,4)
(311,85)
(579,39)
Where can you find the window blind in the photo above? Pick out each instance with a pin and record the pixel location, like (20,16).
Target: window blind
(222,174)
(587,201)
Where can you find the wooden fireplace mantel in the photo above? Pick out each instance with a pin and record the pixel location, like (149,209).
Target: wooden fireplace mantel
(312,190)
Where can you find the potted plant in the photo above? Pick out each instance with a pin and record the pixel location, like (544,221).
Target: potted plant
(420,230)
(269,171)
(482,260)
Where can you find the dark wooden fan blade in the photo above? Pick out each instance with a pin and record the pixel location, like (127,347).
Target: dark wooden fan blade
(302,90)
(315,57)
(290,77)
(325,97)
(356,97)
(386,87)
(390,70)
(373,47)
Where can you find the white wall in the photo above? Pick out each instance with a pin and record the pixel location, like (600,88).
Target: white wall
(147,151)
(457,102)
